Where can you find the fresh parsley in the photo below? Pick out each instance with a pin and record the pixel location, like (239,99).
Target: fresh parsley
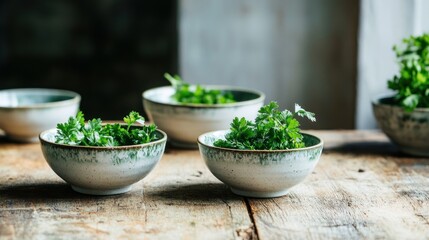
(412,84)
(93,133)
(272,130)
(185,93)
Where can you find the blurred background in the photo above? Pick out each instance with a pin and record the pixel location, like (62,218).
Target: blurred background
(330,56)
(109,51)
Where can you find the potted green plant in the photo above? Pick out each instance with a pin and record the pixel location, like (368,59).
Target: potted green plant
(404,116)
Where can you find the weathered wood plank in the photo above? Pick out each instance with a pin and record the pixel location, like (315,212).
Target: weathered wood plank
(362,189)
(179,200)
(197,204)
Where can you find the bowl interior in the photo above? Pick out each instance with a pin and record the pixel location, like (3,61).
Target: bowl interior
(387,100)
(164,94)
(33,97)
(209,138)
(384,102)
(49,135)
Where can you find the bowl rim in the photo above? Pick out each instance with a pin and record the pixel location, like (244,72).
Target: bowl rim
(75,98)
(260,98)
(200,142)
(376,101)
(43,140)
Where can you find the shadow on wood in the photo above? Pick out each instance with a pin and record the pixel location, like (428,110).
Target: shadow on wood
(42,192)
(196,192)
(366,147)
(386,150)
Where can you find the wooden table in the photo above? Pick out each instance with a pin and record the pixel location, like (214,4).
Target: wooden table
(362,188)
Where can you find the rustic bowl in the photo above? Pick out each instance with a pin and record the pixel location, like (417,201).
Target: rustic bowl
(24,113)
(185,122)
(259,173)
(408,130)
(101,170)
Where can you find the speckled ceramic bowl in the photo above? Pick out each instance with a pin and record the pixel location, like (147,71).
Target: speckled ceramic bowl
(408,130)
(259,173)
(185,122)
(24,113)
(101,170)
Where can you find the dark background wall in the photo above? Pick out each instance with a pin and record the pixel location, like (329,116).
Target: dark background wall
(108,51)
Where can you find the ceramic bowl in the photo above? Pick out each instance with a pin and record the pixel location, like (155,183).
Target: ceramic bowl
(24,113)
(101,170)
(185,122)
(259,173)
(408,130)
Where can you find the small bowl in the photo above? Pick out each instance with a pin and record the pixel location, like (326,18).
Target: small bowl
(26,112)
(259,173)
(185,122)
(408,130)
(101,170)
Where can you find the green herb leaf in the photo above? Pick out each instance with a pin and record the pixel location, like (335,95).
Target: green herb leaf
(94,133)
(412,84)
(185,93)
(302,113)
(70,132)
(272,130)
(410,102)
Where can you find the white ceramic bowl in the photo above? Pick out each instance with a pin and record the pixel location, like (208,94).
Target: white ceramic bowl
(408,130)
(101,170)
(259,173)
(24,113)
(185,122)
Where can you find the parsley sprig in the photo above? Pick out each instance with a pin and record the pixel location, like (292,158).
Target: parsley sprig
(186,94)
(272,130)
(94,133)
(412,84)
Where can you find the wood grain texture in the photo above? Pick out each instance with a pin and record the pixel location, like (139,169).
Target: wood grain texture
(179,200)
(362,188)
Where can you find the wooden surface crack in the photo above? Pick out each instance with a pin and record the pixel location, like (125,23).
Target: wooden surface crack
(252,219)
